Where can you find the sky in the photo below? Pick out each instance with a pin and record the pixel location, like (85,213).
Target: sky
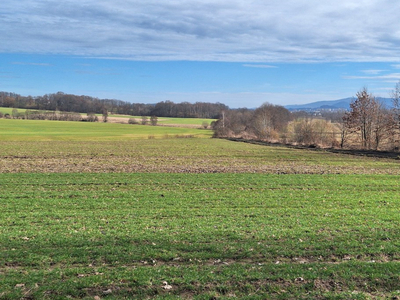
(242,53)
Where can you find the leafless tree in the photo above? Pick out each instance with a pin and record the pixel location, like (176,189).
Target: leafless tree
(361,116)
(133,121)
(91,117)
(105,115)
(145,120)
(268,120)
(153,120)
(369,120)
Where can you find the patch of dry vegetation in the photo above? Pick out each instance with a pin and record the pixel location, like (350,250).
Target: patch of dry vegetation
(181,156)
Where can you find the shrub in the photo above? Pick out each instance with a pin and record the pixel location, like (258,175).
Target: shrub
(133,121)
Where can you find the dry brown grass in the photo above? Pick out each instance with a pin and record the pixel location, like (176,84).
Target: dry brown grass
(182,156)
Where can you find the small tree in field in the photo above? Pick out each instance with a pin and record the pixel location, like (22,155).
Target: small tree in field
(91,117)
(133,121)
(145,120)
(105,115)
(15,113)
(153,120)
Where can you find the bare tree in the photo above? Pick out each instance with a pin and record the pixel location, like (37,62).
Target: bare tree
(303,131)
(369,119)
(315,132)
(145,120)
(233,123)
(360,118)
(153,120)
(133,121)
(344,133)
(268,120)
(91,117)
(105,115)
(15,113)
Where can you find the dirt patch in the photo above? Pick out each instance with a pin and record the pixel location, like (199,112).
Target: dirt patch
(120,120)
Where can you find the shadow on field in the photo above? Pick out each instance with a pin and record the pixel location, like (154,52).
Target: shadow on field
(357,152)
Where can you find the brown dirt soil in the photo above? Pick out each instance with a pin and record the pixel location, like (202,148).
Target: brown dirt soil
(167,165)
(173,157)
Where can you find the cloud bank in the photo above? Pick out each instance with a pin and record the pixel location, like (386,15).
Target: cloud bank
(205,30)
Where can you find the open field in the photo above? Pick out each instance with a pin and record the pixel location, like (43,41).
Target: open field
(97,215)
(123,119)
(32,130)
(164,121)
(183,155)
(8,110)
(208,235)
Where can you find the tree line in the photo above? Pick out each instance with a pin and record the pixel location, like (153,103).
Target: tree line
(274,123)
(367,125)
(86,104)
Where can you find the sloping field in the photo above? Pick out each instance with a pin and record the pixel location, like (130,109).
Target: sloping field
(254,236)
(180,155)
(123,119)
(32,130)
(109,217)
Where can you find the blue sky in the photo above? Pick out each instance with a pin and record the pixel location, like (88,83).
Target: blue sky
(240,53)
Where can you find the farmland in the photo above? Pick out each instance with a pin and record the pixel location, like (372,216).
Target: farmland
(101,214)
(32,130)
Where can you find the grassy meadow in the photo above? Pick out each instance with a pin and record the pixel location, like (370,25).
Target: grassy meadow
(8,110)
(116,118)
(93,213)
(33,130)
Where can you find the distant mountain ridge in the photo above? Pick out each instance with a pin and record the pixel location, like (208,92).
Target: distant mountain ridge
(333,104)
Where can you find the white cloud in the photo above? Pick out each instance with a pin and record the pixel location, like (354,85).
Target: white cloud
(372,72)
(259,66)
(218,30)
(380,77)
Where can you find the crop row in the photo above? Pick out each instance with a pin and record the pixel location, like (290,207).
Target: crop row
(122,235)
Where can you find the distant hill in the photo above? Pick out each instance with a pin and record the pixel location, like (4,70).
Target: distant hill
(333,104)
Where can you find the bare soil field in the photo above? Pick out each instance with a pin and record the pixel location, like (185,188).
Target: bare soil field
(190,155)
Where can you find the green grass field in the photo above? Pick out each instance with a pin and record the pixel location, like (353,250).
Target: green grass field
(108,217)
(31,130)
(207,235)
(162,120)
(8,110)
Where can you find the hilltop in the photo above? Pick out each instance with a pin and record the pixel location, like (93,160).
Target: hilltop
(332,104)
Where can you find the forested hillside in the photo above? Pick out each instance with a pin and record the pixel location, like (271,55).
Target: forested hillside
(87,104)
